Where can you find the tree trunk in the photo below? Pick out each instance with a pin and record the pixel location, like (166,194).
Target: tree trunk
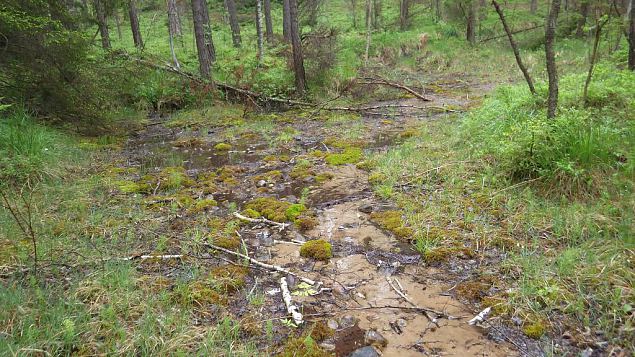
(100,12)
(174,59)
(200,35)
(313,6)
(208,31)
(403,14)
(298,59)
(115,14)
(533,6)
(377,7)
(134,24)
(174,22)
(354,13)
(584,13)
(594,53)
(268,22)
(259,54)
(552,71)
(631,37)
(286,21)
(369,17)
(437,8)
(472,22)
(233,22)
(519,61)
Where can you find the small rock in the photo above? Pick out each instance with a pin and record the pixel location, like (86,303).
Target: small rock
(261,183)
(587,353)
(401,323)
(265,238)
(327,346)
(365,208)
(367,351)
(299,237)
(348,321)
(517,320)
(376,339)
(332,324)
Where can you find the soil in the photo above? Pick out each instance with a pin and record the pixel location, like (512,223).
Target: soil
(365,256)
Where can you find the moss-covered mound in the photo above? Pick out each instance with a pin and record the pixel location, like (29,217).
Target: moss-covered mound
(317,249)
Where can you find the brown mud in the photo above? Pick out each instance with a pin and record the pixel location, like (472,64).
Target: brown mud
(365,256)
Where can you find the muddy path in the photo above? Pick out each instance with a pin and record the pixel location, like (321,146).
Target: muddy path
(289,158)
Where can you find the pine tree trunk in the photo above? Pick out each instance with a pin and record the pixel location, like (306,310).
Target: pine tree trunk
(259,30)
(134,24)
(286,21)
(472,19)
(631,37)
(233,22)
(203,50)
(209,42)
(296,44)
(268,22)
(403,14)
(514,46)
(115,14)
(369,16)
(100,12)
(173,19)
(533,6)
(552,71)
(584,13)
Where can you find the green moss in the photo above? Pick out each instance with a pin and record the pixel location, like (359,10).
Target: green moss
(170,178)
(324,176)
(317,249)
(294,211)
(222,147)
(437,255)
(318,154)
(392,221)
(306,223)
(198,292)
(408,133)
(320,331)
(535,329)
(228,278)
(274,158)
(269,176)
(251,213)
(203,205)
(376,178)
(227,174)
(350,155)
(270,208)
(302,169)
(188,142)
(366,165)
(132,187)
(303,346)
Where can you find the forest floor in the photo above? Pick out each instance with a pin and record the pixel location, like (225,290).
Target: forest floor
(313,163)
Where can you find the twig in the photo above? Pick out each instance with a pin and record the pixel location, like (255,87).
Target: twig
(514,186)
(480,317)
(264,265)
(382,81)
(291,307)
(428,312)
(280,226)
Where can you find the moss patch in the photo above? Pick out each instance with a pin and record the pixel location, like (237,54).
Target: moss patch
(303,346)
(320,331)
(229,278)
(230,243)
(324,176)
(203,205)
(222,147)
(317,249)
(535,329)
(350,155)
(392,221)
(270,208)
(306,223)
(269,176)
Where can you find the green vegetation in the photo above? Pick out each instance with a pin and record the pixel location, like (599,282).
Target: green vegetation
(317,249)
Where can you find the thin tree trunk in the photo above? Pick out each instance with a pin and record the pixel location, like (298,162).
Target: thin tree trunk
(519,61)
(584,12)
(472,20)
(533,6)
(173,19)
(286,21)
(403,14)
(298,59)
(594,53)
(208,31)
(354,12)
(369,16)
(259,30)
(174,59)
(550,34)
(200,36)
(437,8)
(377,7)
(100,12)
(134,24)
(268,22)
(115,14)
(631,37)
(313,6)
(233,22)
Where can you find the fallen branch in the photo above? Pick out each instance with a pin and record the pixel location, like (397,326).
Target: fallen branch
(386,82)
(480,317)
(430,314)
(146,257)
(280,226)
(513,33)
(265,265)
(407,308)
(291,307)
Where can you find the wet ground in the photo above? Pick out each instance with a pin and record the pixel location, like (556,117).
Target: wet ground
(370,266)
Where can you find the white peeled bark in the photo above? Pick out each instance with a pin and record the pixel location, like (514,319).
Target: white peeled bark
(480,317)
(292,308)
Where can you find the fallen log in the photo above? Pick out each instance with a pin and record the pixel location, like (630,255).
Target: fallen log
(382,81)
(291,307)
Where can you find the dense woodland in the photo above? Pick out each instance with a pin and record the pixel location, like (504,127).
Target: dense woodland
(317,177)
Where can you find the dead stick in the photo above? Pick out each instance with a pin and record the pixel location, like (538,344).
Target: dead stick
(428,312)
(281,226)
(264,265)
(386,82)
